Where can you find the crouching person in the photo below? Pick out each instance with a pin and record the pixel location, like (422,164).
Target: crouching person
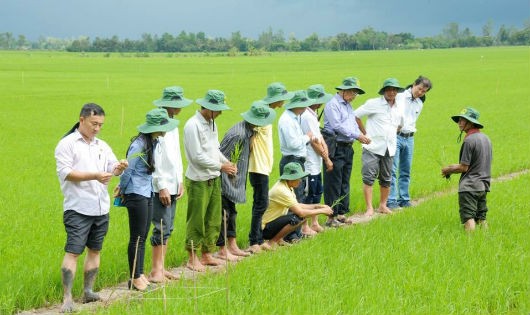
(277,220)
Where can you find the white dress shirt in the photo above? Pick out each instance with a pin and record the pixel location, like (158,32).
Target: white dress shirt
(73,153)
(292,140)
(410,108)
(168,163)
(382,123)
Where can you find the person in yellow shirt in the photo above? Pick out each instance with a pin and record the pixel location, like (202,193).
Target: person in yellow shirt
(260,166)
(284,214)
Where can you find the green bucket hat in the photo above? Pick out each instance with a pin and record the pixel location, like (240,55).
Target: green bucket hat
(391,82)
(259,114)
(157,120)
(276,92)
(351,83)
(213,100)
(292,171)
(299,100)
(317,94)
(470,114)
(173,97)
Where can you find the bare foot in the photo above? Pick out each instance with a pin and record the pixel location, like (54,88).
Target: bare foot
(266,246)
(317,228)
(369,212)
(144,279)
(156,277)
(254,249)
(226,255)
(308,231)
(195,265)
(68,305)
(208,260)
(384,210)
(238,252)
(90,296)
(171,276)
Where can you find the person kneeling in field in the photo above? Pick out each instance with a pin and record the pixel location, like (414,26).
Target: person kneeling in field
(277,222)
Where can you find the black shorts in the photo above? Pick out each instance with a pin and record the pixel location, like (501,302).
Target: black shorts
(84,231)
(275,226)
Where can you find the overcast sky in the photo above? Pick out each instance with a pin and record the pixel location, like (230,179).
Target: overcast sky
(219,18)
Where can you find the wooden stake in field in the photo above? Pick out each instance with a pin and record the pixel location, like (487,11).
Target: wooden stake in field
(163,265)
(134,262)
(226,261)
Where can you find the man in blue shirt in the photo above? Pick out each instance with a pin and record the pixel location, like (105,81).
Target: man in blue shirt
(341,128)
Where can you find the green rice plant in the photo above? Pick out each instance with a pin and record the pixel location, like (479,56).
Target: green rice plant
(235,155)
(337,201)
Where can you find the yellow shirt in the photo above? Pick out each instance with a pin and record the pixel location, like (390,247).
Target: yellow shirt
(261,153)
(281,198)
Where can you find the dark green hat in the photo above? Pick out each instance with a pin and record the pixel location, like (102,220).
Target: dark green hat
(259,114)
(391,82)
(299,100)
(351,83)
(470,114)
(276,92)
(213,100)
(317,94)
(173,97)
(293,171)
(157,120)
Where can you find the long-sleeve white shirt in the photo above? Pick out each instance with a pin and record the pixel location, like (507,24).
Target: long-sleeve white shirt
(73,153)
(292,139)
(201,145)
(168,163)
(411,109)
(382,123)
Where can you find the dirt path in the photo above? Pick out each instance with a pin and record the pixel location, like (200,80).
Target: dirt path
(121,292)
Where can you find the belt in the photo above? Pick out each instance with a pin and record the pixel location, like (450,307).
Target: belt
(344,144)
(406,134)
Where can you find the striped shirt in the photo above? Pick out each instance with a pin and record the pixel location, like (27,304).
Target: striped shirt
(234,187)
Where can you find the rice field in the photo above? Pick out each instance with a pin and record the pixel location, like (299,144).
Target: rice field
(417,262)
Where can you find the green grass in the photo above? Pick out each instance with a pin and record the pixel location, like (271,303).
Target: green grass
(41,95)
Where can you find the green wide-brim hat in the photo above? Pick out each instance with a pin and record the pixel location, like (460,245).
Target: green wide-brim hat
(391,82)
(351,83)
(299,100)
(173,97)
(213,100)
(259,114)
(276,92)
(318,95)
(157,120)
(293,171)
(470,114)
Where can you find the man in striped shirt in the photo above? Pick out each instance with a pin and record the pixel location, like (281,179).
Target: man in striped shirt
(236,146)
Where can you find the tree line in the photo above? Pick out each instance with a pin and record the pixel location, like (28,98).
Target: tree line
(276,41)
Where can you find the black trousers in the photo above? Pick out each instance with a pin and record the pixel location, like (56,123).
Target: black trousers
(337,182)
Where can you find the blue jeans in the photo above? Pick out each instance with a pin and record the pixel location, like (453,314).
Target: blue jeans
(399,189)
(260,184)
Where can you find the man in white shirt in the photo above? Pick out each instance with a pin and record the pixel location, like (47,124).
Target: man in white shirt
(203,183)
(410,102)
(317,152)
(85,165)
(167,183)
(383,120)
